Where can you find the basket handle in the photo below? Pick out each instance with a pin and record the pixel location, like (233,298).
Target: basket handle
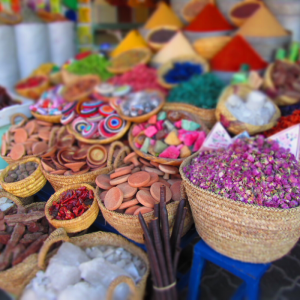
(116,282)
(13,118)
(10,196)
(56,236)
(111,151)
(121,155)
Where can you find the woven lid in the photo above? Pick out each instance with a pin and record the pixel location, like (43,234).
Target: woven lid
(163,15)
(177,46)
(262,24)
(132,40)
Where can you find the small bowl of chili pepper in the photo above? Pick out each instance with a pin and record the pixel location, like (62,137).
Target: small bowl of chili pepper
(73,208)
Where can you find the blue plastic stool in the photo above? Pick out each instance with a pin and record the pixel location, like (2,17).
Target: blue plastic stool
(250,273)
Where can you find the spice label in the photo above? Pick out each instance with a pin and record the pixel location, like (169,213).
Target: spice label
(217,138)
(289,139)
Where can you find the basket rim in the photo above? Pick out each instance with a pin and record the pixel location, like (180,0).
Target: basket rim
(58,193)
(52,118)
(9,167)
(246,205)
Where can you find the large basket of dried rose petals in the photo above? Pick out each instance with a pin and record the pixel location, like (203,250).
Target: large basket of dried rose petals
(73,208)
(245,199)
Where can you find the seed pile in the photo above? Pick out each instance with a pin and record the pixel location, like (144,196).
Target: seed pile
(21,172)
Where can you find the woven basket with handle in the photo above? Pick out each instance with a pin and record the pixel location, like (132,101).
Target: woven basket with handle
(244,232)
(14,280)
(59,181)
(101,239)
(77,224)
(28,186)
(47,118)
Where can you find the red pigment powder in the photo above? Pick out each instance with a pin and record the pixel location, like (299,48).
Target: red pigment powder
(209,19)
(139,78)
(234,54)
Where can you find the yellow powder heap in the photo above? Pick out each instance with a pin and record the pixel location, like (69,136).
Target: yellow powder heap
(132,40)
(177,46)
(262,24)
(163,15)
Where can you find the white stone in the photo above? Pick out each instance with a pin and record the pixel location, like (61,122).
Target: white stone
(132,270)
(29,294)
(255,100)
(234,100)
(94,252)
(5,206)
(62,275)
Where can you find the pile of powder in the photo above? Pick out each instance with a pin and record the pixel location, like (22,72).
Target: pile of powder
(202,91)
(139,78)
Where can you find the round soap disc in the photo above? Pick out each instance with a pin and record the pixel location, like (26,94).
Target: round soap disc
(88,112)
(92,104)
(66,119)
(102,130)
(105,89)
(121,90)
(89,130)
(69,108)
(97,155)
(95,118)
(79,124)
(114,124)
(106,110)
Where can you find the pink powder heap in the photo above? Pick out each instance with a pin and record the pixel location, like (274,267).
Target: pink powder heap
(140,78)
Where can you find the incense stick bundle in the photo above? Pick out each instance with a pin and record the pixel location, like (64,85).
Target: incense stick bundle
(163,251)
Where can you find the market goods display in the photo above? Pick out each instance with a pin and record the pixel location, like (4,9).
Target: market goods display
(72,204)
(93,64)
(72,208)
(139,78)
(86,273)
(80,88)
(128,60)
(244,10)
(49,106)
(21,172)
(94,122)
(134,189)
(23,231)
(170,135)
(252,181)
(282,82)
(32,87)
(193,8)
(160,36)
(23,179)
(140,106)
(5,99)
(180,70)
(240,108)
(28,138)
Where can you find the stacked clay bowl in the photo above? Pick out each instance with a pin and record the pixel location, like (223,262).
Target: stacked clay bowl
(134,189)
(27,139)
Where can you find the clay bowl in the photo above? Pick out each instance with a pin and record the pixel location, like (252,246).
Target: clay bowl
(97,155)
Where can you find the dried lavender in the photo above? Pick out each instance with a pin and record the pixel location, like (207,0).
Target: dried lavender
(255,171)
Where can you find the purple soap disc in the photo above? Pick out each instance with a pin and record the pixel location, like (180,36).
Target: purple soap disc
(106,110)
(89,130)
(92,104)
(69,108)
(66,119)
(113,123)
(88,112)
(102,130)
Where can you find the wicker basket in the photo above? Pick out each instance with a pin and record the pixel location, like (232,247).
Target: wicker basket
(98,239)
(145,117)
(121,70)
(268,84)
(157,46)
(35,92)
(15,279)
(196,117)
(235,126)
(28,186)
(60,181)
(84,94)
(129,225)
(166,67)
(47,118)
(116,137)
(80,223)
(240,21)
(210,46)
(244,232)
